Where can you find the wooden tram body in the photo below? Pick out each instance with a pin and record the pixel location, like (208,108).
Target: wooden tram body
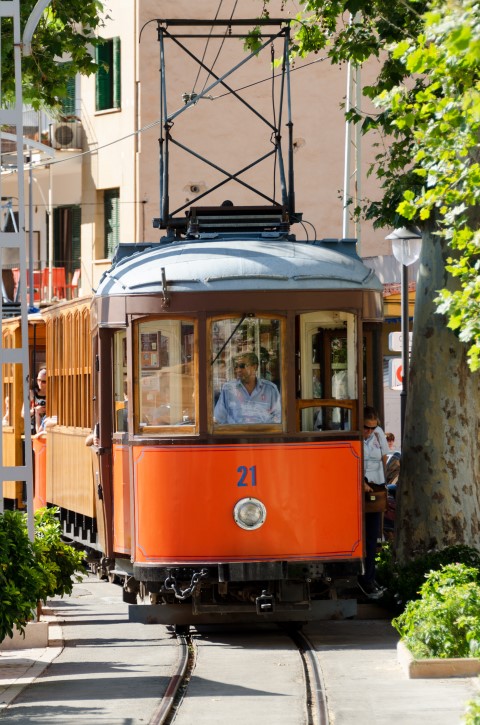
(12,400)
(66,478)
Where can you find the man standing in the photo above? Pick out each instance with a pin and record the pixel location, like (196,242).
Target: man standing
(247,399)
(40,409)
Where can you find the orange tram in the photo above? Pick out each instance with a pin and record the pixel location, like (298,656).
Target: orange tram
(202,512)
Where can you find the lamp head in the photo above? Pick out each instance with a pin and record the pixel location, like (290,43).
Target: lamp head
(405,233)
(406,244)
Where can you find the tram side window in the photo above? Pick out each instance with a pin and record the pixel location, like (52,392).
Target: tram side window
(246,371)
(166,400)
(327,371)
(120,381)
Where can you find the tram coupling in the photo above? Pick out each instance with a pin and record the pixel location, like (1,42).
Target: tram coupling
(171,584)
(265,603)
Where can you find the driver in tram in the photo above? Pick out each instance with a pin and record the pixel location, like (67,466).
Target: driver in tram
(248,399)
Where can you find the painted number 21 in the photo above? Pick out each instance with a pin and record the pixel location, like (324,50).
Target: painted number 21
(244,479)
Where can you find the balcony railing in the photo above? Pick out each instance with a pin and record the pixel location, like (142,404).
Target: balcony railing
(49,284)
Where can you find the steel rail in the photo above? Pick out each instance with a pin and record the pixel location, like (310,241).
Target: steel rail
(316,696)
(169,699)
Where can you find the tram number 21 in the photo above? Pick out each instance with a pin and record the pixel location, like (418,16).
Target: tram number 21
(248,476)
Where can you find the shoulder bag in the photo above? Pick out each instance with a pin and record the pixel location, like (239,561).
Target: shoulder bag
(376,499)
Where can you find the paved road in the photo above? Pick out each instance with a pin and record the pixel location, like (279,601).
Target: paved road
(110,671)
(114,671)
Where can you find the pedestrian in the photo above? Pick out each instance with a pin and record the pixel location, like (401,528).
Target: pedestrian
(375,452)
(6,416)
(391,441)
(40,408)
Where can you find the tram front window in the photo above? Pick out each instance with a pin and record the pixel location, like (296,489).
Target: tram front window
(165,352)
(326,372)
(245,372)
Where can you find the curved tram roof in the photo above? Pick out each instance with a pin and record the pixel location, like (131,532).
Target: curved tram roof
(216,264)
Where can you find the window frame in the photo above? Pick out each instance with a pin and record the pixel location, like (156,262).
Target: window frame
(170,430)
(307,323)
(251,428)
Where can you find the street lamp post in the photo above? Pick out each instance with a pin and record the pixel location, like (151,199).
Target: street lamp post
(406,246)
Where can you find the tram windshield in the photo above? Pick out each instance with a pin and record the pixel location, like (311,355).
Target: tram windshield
(246,372)
(165,359)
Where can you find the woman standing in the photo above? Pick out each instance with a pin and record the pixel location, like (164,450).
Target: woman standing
(375,452)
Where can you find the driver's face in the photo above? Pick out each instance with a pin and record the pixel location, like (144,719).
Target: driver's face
(244,371)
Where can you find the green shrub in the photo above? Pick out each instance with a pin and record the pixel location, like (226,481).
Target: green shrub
(32,571)
(20,578)
(472,715)
(445,621)
(403,582)
(59,562)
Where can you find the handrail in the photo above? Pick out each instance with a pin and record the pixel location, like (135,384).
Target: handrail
(346,403)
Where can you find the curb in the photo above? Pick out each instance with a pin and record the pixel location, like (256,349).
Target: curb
(436,667)
(17,672)
(21,665)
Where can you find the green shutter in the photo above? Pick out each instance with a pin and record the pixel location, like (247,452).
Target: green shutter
(68,103)
(103,82)
(57,255)
(111,201)
(117,98)
(108,78)
(76,243)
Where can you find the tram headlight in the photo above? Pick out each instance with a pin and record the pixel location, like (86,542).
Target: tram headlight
(249,513)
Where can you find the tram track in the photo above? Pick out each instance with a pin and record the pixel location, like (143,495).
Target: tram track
(177,689)
(177,686)
(316,697)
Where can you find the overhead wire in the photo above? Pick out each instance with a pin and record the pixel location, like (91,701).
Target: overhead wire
(148,126)
(206,47)
(263,80)
(220,49)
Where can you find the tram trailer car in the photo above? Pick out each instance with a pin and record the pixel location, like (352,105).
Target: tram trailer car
(14,493)
(214,518)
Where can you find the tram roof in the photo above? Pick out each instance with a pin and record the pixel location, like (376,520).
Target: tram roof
(217,264)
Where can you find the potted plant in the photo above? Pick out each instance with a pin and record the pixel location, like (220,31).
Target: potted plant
(443,624)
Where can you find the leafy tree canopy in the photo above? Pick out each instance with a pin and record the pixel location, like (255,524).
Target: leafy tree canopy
(356,30)
(427,92)
(61,47)
(443,118)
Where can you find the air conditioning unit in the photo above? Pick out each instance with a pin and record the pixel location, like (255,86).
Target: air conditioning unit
(66,135)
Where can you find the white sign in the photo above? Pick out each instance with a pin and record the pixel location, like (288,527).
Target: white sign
(395,341)
(395,373)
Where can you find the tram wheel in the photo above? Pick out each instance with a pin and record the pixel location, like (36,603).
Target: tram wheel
(182,629)
(129,597)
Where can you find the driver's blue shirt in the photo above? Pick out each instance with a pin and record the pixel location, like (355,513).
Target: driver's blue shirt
(237,405)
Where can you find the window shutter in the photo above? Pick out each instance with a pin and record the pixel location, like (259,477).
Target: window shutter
(111,200)
(103,85)
(76,247)
(117,98)
(57,211)
(68,103)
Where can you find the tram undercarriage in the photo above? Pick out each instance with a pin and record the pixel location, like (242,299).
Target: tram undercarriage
(249,592)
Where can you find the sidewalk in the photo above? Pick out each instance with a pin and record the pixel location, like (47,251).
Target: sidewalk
(21,667)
